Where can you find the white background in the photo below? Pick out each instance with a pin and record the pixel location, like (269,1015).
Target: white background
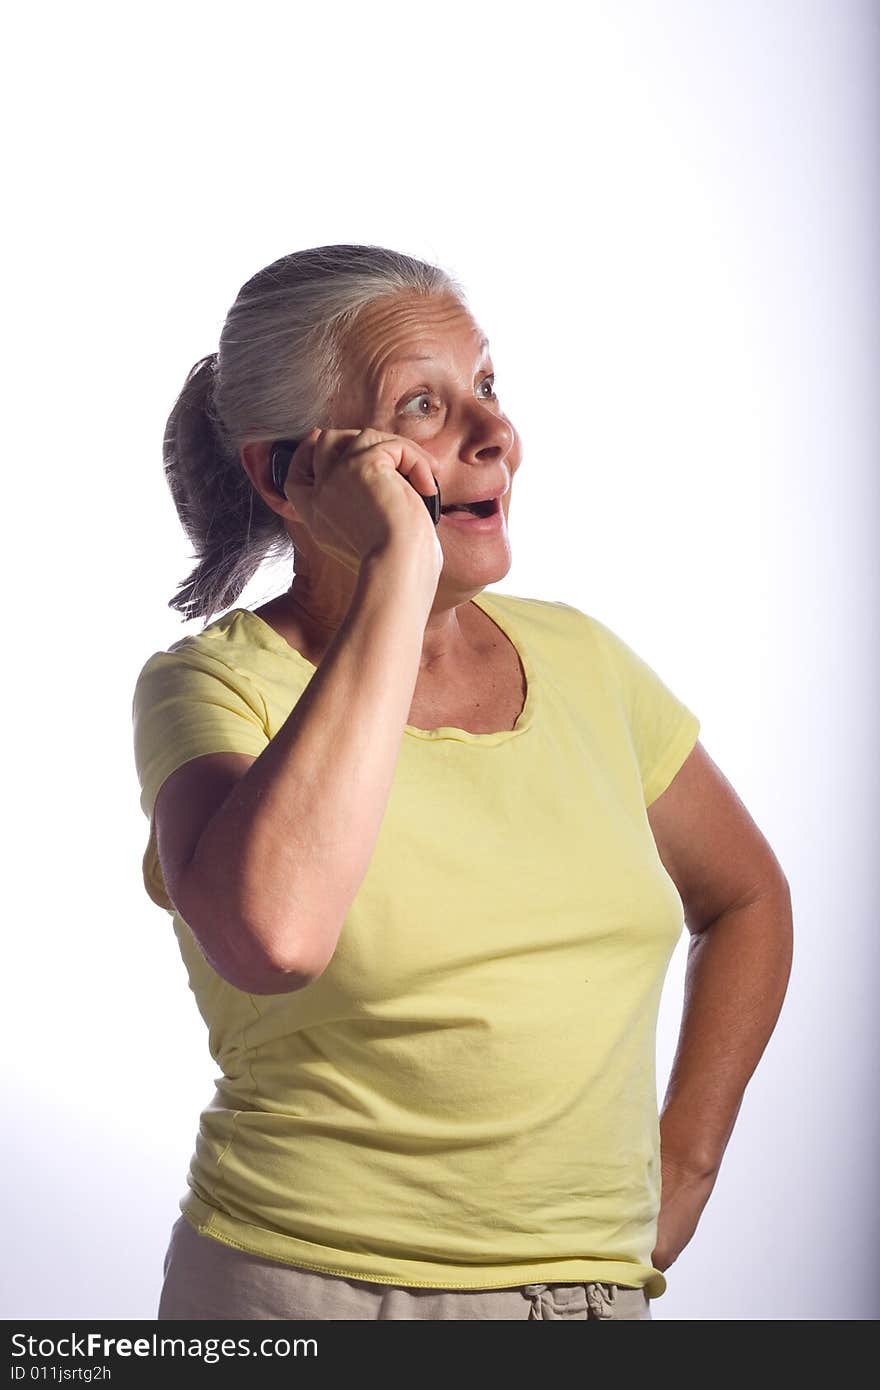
(666,219)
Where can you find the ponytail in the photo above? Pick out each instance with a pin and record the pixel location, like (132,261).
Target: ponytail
(227,521)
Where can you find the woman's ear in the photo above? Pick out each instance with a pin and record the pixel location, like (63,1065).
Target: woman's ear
(256,460)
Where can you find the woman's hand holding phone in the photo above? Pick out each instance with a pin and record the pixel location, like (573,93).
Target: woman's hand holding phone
(361,492)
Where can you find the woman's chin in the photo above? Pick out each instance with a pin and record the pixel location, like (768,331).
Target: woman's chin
(477,564)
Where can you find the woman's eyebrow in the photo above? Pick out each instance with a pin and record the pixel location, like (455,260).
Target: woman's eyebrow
(429,357)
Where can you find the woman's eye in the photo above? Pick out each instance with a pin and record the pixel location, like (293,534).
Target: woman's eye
(422,396)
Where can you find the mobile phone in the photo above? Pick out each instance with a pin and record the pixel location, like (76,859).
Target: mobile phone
(283,451)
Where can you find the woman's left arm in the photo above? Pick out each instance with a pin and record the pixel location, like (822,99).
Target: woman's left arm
(737,907)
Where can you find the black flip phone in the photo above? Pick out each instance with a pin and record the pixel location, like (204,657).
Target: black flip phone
(283,451)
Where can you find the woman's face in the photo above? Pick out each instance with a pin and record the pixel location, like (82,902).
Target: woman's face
(447,403)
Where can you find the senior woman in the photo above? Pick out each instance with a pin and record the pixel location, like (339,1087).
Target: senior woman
(428,849)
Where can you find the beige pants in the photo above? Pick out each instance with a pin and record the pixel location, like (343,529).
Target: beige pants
(207,1280)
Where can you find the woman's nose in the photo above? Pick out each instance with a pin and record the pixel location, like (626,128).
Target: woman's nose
(490,433)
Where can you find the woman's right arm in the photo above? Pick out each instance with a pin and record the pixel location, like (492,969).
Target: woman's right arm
(278,864)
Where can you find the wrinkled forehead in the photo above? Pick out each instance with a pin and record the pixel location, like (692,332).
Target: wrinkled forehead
(392,335)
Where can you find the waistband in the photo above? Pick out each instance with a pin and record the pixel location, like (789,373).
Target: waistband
(584,1301)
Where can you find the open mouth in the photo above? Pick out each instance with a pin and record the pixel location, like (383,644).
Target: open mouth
(475,508)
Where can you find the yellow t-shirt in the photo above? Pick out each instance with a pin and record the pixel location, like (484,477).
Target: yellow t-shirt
(466,1097)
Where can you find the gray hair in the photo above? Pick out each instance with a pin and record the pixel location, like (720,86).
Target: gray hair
(276,374)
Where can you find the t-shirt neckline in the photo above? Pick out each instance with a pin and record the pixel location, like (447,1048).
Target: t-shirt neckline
(492,610)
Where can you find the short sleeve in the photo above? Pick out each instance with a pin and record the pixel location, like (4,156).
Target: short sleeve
(663,728)
(186,703)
